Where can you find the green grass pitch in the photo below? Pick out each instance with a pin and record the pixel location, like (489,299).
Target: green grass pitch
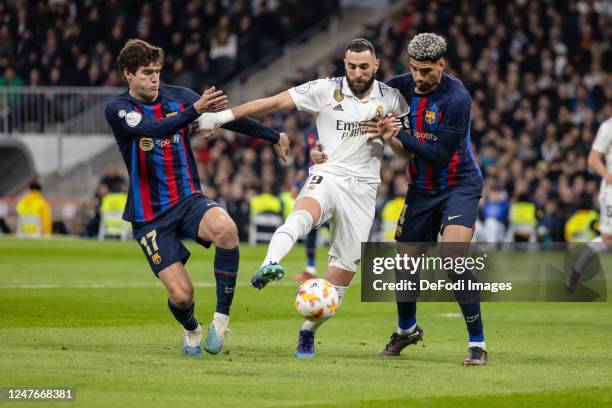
(91,315)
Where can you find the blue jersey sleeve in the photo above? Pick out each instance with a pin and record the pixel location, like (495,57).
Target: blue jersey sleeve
(125,119)
(452,130)
(250,127)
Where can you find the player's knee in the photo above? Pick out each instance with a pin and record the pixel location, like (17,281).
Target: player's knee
(182,297)
(226,235)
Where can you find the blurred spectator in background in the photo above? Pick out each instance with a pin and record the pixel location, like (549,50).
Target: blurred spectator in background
(114,181)
(494,211)
(34,213)
(79,38)
(110,182)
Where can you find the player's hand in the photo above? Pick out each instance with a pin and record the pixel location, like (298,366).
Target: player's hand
(317,155)
(383,128)
(211,101)
(608,178)
(282,147)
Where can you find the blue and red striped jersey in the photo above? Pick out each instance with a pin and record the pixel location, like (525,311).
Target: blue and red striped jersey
(440,120)
(154,142)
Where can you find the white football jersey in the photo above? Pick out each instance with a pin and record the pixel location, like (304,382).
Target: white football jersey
(339,114)
(603,144)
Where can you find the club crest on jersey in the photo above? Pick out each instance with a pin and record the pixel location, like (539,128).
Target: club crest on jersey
(380,110)
(338,96)
(171,114)
(430,117)
(146,144)
(156,258)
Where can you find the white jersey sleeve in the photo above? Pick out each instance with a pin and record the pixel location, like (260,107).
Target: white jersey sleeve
(311,96)
(603,139)
(398,105)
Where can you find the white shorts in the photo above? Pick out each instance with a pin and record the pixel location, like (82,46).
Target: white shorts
(605,209)
(349,206)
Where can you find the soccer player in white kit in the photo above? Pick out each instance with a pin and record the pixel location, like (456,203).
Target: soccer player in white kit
(600,160)
(342,185)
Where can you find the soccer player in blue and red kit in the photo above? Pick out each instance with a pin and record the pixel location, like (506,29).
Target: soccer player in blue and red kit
(446,182)
(151,123)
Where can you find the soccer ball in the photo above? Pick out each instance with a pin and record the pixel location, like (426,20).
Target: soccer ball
(316,299)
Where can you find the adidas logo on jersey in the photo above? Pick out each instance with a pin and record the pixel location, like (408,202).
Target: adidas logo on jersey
(338,107)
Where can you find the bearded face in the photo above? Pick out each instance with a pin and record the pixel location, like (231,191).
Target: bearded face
(360,85)
(360,70)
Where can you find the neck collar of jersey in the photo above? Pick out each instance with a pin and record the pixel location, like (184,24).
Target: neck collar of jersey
(375,92)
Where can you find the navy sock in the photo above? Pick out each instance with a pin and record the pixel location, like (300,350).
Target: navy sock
(473,320)
(311,247)
(226,271)
(406,315)
(469,302)
(184,316)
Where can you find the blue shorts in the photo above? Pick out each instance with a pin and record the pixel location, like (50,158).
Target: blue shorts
(160,238)
(426,214)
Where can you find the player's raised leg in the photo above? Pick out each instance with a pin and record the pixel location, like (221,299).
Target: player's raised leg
(182,306)
(217,227)
(299,223)
(340,278)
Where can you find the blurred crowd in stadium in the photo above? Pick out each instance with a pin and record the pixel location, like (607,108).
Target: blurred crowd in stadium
(538,73)
(68,42)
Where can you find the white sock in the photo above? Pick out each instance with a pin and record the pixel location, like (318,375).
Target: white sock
(220,322)
(593,248)
(313,326)
(409,330)
(480,344)
(297,224)
(341,291)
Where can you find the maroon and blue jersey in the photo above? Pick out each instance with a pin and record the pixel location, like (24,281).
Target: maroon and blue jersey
(154,142)
(437,131)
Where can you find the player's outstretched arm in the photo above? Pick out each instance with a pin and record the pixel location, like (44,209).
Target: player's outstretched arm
(250,127)
(277,103)
(125,119)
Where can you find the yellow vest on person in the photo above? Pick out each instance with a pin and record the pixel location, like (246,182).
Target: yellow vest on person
(583,226)
(111,210)
(34,214)
(287,202)
(523,213)
(265,202)
(390,215)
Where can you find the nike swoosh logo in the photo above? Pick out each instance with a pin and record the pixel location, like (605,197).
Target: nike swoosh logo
(209,204)
(452,217)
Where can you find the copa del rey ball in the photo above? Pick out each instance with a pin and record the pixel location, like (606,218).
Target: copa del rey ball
(316,299)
